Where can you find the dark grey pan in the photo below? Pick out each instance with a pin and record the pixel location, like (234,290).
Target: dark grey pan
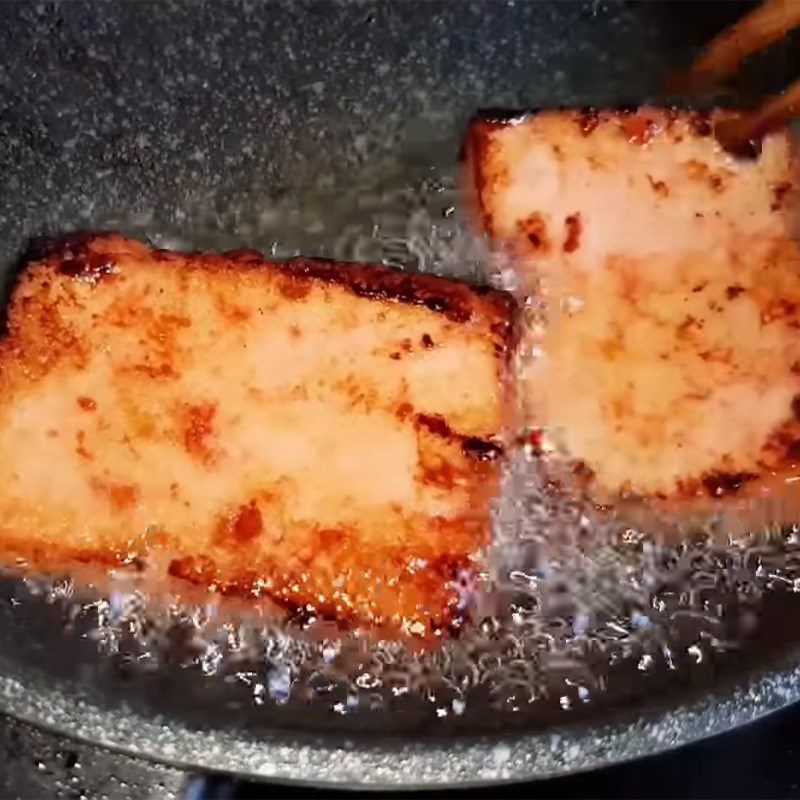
(302,126)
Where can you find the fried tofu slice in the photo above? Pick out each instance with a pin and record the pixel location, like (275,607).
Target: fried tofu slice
(671,273)
(323,434)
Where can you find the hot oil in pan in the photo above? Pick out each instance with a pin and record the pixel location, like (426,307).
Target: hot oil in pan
(575,610)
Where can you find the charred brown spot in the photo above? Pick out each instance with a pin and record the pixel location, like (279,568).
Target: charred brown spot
(295,288)
(473,447)
(595,162)
(795,368)
(796,407)
(659,187)
(197,569)
(361,393)
(404,410)
(792,451)
(612,347)
(199,427)
(480,449)
(700,171)
(722,484)
(696,170)
(683,330)
(638,129)
(588,120)
(427,341)
(699,287)
(245,256)
(438,304)
(405,291)
(574,228)
(125,314)
(86,404)
(156,371)
(121,496)
(779,192)
(439,472)
(582,471)
(244,528)
(534,229)
(689,487)
(732,292)
(435,424)
(233,313)
(165,325)
(619,408)
(722,355)
(332,539)
(701,396)
(777,309)
(80,446)
(76,258)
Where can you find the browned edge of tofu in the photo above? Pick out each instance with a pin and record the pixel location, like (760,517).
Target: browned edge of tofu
(457,300)
(587,118)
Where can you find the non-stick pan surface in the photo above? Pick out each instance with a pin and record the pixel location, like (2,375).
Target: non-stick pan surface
(298,127)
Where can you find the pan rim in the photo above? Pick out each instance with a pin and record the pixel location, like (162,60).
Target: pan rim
(322,761)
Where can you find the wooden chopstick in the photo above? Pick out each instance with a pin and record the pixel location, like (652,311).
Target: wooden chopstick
(760,28)
(738,134)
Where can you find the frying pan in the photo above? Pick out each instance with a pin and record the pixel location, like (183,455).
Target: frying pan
(333,129)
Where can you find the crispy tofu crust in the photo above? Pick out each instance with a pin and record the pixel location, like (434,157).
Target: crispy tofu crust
(323,434)
(672,272)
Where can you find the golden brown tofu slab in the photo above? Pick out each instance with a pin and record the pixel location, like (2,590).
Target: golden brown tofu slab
(323,434)
(671,365)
